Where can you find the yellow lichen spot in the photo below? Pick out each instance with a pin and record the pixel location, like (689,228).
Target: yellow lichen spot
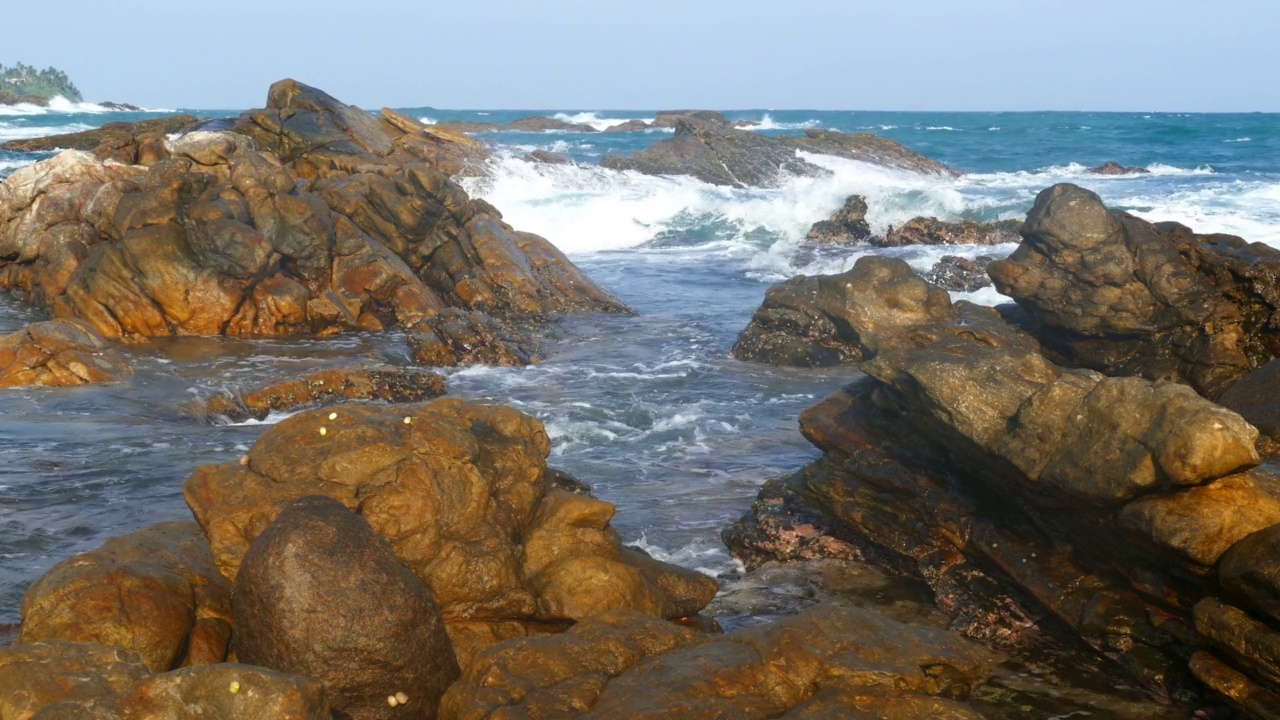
(244,459)
(392,701)
(408,421)
(235,686)
(402,698)
(333,416)
(324,430)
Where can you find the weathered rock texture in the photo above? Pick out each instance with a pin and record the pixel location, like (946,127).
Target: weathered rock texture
(1014,486)
(58,680)
(960,274)
(533,123)
(932,231)
(329,386)
(461,493)
(846,226)
(59,353)
(107,134)
(384,638)
(715,152)
(826,663)
(1105,290)
(154,592)
(1111,167)
(312,217)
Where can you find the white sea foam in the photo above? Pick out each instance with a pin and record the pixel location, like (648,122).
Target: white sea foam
(1242,139)
(428,120)
(593,119)
(12,131)
(947,128)
(61,105)
(768,123)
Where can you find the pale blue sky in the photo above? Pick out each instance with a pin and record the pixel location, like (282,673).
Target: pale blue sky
(1189,55)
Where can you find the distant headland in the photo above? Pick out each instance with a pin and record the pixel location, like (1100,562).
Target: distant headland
(23,84)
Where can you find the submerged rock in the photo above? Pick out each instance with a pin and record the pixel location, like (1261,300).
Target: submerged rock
(629,126)
(154,592)
(931,231)
(716,153)
(670,118)
(113,132)
(59,353)
(461,493)
(313,217)
(352,382)
(828,662)
(1114,168)
(846,227)
(1105,290)
(387,638)
(960,274)
(868,148)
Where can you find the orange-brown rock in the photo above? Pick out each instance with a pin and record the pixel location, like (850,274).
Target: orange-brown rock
(110,133)
(829,662)
(461,493)
(206,692)
(154,592)
(59,353)
(37,676)
(386,383)
(315,217)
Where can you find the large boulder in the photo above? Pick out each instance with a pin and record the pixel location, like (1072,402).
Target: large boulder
(314,217)
(295,612)
(718,154)
(59,353)
(461,493)
(932,231)
(809,666)
(154,592)
(1105,290)
(361,381)
(846,226)
(36,676)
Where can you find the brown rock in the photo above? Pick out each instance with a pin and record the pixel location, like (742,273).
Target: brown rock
(1251,642)
(1243,692)
(1256,397)
(807,663)
(931,231)
(1251,570)
(1202,523)
(110,133)
(636,125)
(460,491)
(206,692)
(868,148)
(351,382)
(154,592)
(387,638)
(1109,291)
(847,226)
(38,675)
(59,353)
(959,274)
(1112,167)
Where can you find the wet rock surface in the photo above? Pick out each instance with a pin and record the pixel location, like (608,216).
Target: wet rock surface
(1013,486)
(960,274)
(811,665)
(1112,167)
(868,148)
(846,226)
(1105,290)
(932,231)
(154,592)
(387,638)
(461,492)
(312,217)
(109,133)
(367,381)
(59,353)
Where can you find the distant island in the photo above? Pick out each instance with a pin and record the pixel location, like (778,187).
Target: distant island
(25,84)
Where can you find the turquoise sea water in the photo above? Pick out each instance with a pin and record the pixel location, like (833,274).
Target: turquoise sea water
(650,409)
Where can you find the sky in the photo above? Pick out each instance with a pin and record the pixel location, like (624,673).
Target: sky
(1136,55)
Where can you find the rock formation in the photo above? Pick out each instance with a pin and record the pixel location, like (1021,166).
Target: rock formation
(59,353)
(1117,504)
(1114,168)
(533,123)
(868,148)
(1105,290)
(931,231)
(959,274)
(829,662)
(846,227)
(110,133)
(350,382)
(312,217)
(461,492)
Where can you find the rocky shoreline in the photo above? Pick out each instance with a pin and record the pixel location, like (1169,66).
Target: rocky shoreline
(1055,472)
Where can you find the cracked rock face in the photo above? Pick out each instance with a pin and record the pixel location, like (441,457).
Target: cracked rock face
(59,353)
(312,217)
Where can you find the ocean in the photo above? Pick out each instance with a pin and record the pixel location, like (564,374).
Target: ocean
(649,410)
